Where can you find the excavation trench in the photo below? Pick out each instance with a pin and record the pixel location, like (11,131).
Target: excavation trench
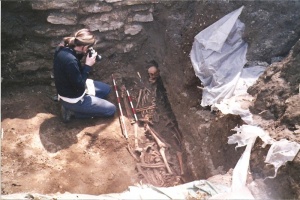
(93,156)
(78,156)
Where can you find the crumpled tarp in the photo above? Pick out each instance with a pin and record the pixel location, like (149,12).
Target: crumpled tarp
(280,152)
(239,102)
(218,56)
(245,136)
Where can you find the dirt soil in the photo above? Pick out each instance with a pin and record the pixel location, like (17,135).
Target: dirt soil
(42,154)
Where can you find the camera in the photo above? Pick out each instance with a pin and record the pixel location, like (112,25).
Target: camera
(91,51)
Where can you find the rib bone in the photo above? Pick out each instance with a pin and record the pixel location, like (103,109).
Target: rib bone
(145,108)
(159,165)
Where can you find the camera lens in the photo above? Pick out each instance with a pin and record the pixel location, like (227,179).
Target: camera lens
(98,58)
(91,51)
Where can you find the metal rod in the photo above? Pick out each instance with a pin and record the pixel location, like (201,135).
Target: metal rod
(133,110)
(120,108)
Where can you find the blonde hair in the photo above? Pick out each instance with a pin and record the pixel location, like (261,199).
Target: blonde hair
(83,37)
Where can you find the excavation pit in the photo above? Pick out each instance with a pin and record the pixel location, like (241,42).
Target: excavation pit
(40,154)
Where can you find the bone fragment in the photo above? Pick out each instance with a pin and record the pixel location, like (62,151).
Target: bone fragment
(146,120)
(152,177)
(162,146)
(159,178)
(179,156)
(159,165)
(138,73)
(142,157)
(158,141)
(145,108)
(131,153)
(139,98)
(140,171)
(162,152)
(136,142)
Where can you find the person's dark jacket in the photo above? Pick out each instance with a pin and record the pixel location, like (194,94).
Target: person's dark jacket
(69,75)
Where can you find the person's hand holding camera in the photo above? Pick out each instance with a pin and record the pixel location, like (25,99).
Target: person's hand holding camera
(91,59)
(92,54)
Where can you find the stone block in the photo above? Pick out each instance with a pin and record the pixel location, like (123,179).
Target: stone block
(62,18)
(133,29)
(135,2)
(143,7)
(48,4)
(94,7)
(125,48)
(106,22)
(143,18)
(112,1)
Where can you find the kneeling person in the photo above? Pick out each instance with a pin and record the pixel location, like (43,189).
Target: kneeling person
(70,79)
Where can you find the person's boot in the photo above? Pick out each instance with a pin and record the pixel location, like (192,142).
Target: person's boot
(66,114)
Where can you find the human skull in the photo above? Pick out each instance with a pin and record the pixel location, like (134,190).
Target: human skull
(153,74)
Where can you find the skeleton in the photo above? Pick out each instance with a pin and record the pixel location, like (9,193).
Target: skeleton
(152,163)
(153,74)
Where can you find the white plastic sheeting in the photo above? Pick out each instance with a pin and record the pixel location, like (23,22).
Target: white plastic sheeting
(245,136)
(218,56)
(237,103)
(280,152)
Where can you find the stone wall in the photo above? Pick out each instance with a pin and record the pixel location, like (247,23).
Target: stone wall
(31,30)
